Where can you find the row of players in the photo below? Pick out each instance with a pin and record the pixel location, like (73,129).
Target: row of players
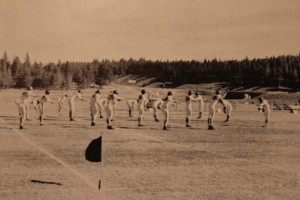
(143,102)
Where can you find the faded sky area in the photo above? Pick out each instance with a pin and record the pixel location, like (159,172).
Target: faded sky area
(81,30)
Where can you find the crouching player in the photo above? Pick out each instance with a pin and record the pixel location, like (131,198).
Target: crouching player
(111,101)
(264,107)
(227,108)
(211,112)
(131,104)
(93,106)
(40,105)
(165,108)
(22,103)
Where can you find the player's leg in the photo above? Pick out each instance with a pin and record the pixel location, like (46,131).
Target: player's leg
(109,112)
(41,114)
(155,109)
(188,117)
(166,122)
(22,114)
(267,116)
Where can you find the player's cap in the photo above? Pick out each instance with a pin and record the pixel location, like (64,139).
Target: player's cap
(66,95)
(143,91)
(47,92)
(115,92)
(260,98)
(29,88)
(79,91)
(97,92)
(190,92)
(196,93)
(170,94)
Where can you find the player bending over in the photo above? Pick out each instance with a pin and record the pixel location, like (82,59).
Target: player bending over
(71,103)
(21,103)
(131,104)
(111,101)
(211,112)
(40,105)
(227,108)
(265,107)
(165,108)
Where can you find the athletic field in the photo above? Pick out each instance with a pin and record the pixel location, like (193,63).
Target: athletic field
(239,160)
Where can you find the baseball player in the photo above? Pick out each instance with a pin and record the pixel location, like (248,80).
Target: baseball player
(94,102)
(211,112)
(40,105)
(200,104)
(30,101)
(189,108)
(21,103)
(142,101)
(111,101)
(71,103)
(227,108)
(101,103)
(131,104)
(264,107)
(165,108)
(156,105)
(60,103)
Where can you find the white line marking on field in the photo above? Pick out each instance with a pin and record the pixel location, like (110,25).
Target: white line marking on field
(51,156)
(212,152)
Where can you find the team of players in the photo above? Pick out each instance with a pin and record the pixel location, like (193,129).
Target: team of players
(144,101)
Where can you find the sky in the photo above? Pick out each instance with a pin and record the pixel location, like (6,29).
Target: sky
(82,30)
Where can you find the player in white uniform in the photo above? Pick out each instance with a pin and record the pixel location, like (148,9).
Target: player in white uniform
(60,103)
(142,101)
(111,101)
(30,102)
(40,105)
(265,107)
(200,104)
(227,108)
(131,104)
(101,103)
(21,103)
(211,112)
(71,103)
(189,107)
(165,108)
(156,104)
(94,105)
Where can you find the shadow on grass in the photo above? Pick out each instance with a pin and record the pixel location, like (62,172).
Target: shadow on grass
(45,182)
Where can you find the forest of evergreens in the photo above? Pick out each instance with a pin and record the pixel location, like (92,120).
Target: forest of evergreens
(272,71)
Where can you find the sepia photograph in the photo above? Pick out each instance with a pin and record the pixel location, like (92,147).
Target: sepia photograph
(150,99)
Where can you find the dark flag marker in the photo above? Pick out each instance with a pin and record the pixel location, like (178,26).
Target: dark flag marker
(93,152)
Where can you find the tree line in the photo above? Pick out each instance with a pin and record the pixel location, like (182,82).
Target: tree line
(267,72)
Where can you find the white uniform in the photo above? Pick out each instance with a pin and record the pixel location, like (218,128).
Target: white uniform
(94,102)
(131,104)
(212,110)
(200,105)
(71,104)
(227,108)
(265,107)
(165,109)
(101,103)
(21,103)
(111,101)
(142,101)
(60,102)
(29,102)
(40,106)
(157,104)
(189,108)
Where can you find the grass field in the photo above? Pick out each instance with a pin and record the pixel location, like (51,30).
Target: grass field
(239,160)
